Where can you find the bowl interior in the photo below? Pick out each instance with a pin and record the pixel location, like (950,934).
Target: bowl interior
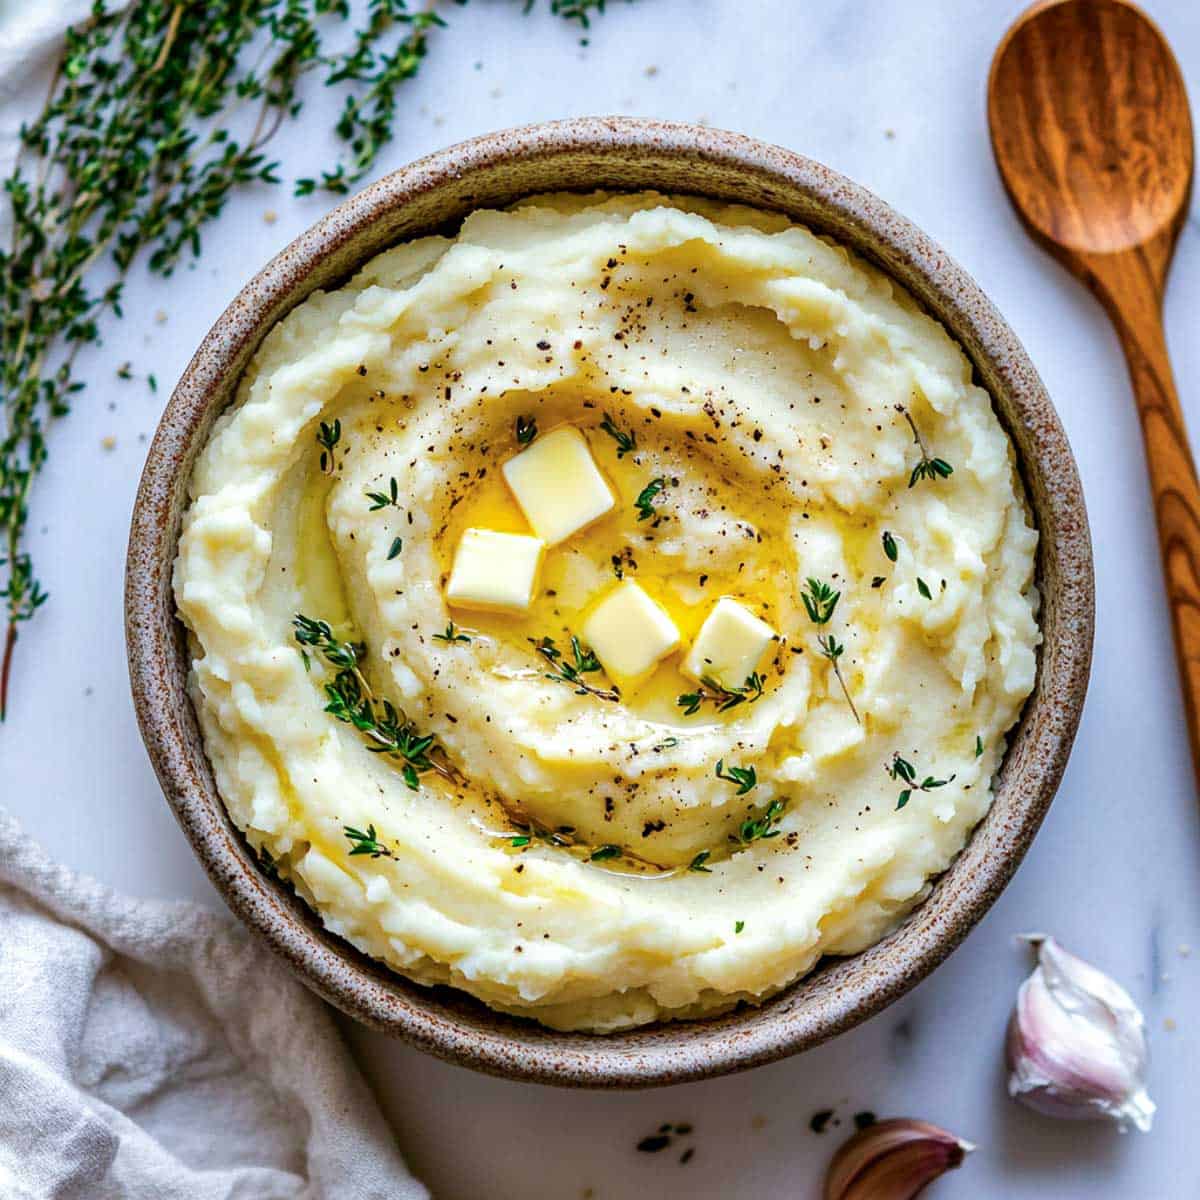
(434,195)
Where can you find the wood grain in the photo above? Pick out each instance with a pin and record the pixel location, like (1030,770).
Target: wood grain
(1092,133)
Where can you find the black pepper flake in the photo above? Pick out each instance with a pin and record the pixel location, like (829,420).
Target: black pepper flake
(654,1143)
(362,370)
(819,1120)
(864,1120)
(688,1155)
(543,345)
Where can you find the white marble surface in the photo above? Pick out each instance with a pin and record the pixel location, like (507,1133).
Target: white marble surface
(892,94)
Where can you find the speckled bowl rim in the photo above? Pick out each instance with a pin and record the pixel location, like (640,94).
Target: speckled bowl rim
(595,152)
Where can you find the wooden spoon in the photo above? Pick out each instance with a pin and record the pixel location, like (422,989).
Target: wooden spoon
(1091,130)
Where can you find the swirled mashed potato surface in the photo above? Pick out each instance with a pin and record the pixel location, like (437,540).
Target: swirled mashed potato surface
(777,385)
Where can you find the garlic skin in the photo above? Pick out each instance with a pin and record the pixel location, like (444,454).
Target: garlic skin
(892,1160)
(1076,1045)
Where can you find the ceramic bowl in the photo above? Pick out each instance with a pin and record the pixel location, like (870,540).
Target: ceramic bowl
(435,194)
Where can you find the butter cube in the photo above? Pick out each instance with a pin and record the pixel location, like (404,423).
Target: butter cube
(495,572)
(558,485)
(729,646)
(629,633)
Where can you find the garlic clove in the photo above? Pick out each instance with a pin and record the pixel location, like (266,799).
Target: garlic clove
(1076,1044)
(892,1160)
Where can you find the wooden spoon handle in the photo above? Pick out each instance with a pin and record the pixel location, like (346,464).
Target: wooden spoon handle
(1130,287)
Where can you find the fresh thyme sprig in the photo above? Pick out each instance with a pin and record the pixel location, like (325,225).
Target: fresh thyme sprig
(157,113)
(712,692)
(369,111)
(819,600)
(645,500)
(366,843)
(904,772)
(526,430)
(833,650)
(753,829)
(388,499)
(757,829)
(745,779)
(452,634)
(386,728)
(889,546)
(626,441)
(564,836)
(927,468)
(572,673)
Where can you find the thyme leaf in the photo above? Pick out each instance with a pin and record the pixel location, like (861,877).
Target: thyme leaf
(366,843)
(645,500)
(819,600)
(626,441)
(526,430)
(328,436)
(388,499)
(452,634)
(745,779)
(757,829)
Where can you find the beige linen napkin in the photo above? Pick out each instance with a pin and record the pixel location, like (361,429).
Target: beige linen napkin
(152,1050)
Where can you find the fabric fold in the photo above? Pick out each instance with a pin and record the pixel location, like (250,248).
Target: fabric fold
(153,1050)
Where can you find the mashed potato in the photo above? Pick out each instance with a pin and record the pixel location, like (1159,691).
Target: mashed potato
(604,856)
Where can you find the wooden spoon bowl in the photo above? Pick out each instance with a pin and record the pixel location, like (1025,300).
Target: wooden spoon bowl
(1090,124)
